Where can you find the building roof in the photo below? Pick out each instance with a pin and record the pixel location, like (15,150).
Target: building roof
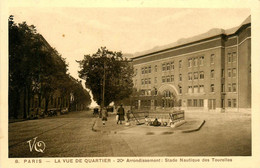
(211,33)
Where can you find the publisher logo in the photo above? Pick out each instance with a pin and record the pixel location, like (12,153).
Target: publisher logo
(38,146)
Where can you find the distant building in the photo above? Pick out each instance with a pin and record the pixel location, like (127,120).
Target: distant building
(211,71)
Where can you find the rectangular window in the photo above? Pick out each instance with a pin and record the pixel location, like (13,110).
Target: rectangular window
(234,103)
(168,66)
(195,102)
(155,79)
(145,70)
(212,89)
(180,77)
(201,88)
(180,64)
(163,79)
(229,73)
(172,78)
(189,76)
(142,81)
(234,56)
(168,79)
(222,73)
(229,87)
(172,65)
(212,58)
(222,103)
(146,81)
(195,89)
(155,68)
(201,103)
(201,75)
(149,69)
(163,67)
(189,62)
(212,73)
(149,80)
(229,102)
(201,61)
(234,87)
(142,70)
(189,103)
(195,63)
(229,58)
(195,75)
(222,88)
(234,72)
(189,89)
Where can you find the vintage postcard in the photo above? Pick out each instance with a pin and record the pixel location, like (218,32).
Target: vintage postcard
(129,84)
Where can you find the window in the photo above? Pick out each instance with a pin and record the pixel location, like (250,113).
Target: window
(195,75)
(229,58)
(234,56)
(229,87)
(155,68)
(172,78)
(189,103)
(168,79)
(180,89)
(189,76)
(234,72)
(172,65)
(145,70)
(222,103)
(149,80)
(163,79)
(212,58)
(222,88)
(201,60)
(234,87)
(189,62)
(180,64)
(195,89)
(229,73)
(212,88)
(222,73)
(195,63)
(201,103)
(163,67)
(189,89)
(201,88)
(195,102)
(229,102)
(142,70)
(234,103)
(201,75)
(212,73)
(155,79)
(149,69)
(180,77)
(142,81)
(145,81)
(168,66)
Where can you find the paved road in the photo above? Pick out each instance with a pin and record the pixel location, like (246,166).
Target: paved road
(64,136)
(71,135)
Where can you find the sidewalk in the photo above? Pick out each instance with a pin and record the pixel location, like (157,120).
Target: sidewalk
(111,127)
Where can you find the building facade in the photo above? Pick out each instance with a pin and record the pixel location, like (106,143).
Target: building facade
(211,71)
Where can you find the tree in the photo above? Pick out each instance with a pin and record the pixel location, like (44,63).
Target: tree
(109,71)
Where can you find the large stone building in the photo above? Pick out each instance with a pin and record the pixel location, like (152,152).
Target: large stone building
(211,71)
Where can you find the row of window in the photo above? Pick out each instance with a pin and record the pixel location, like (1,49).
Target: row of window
(196,75)
(232,57)
(196,89)
(168,66)
(232,102)
(146,81)
(196,61)
(195,103)
(146,70)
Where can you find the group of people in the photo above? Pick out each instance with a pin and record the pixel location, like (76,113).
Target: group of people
(120,115)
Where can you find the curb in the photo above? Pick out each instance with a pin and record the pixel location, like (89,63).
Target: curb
(196,129)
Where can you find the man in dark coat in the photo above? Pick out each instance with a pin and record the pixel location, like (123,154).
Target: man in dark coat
(121,114)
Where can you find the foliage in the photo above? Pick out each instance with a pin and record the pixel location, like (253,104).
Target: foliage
(35,68)
(109,66)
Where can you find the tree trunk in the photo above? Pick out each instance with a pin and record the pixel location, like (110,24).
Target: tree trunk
(46,104)
(39,104)
(28,100)
(24,103)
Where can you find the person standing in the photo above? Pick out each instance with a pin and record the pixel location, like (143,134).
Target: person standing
(104,115)
(121,114)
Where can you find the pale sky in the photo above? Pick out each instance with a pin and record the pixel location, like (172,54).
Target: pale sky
(75,32)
